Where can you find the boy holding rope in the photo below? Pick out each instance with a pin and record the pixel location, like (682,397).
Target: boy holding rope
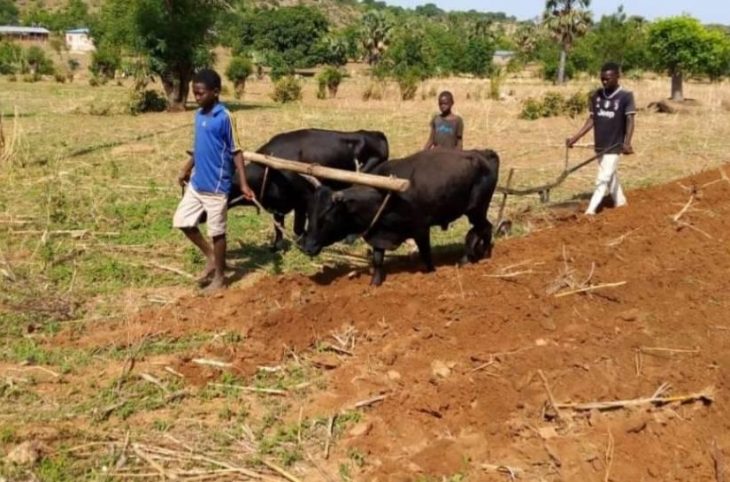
(215,154)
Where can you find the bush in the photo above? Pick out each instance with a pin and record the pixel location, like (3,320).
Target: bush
(408,83)
(105,62)
(12,78)
(30,78)
(146,101)
(60,78)
(238,71)
(287,89)
(495,83)
(373,92)
(577,104)
(329,78)
(10,57)
(554,104)
(531,109)
(37,62)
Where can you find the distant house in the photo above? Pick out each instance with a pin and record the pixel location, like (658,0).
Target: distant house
(78,40)
(24,34)
(502,57)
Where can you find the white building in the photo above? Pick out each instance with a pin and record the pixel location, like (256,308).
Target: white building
(78,40)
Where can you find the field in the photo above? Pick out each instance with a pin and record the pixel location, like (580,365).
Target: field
(113,367)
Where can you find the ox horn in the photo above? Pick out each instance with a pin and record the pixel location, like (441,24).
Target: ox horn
(338,196)
(312,180)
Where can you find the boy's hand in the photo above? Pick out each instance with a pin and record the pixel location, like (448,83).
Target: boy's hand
(183,178)
(248,194)
(570,141)
(627,149)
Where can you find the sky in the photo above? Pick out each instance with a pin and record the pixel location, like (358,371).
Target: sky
(707,11)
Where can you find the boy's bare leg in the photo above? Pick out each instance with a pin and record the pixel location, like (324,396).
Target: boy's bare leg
(194,235)
(219,258)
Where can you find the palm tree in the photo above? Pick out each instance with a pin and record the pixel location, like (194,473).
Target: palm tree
(375,35)
(566,20)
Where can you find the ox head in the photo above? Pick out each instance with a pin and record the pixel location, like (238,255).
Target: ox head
(371,149)
(328,220)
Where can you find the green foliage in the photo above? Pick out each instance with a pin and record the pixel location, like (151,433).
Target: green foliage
(290,35)
(717,54)
(174,38)
(105,62)
(554,104)
(566,20)
(11,58)
(142,101)
(329,78)
(238,71)
(495,83)
(287,89)
(408,81)
(37,62)
(677,45)
(8,12)
(74,14)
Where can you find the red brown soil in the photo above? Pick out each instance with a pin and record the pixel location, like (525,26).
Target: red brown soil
(676,296)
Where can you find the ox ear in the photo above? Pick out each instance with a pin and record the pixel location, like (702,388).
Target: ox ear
(338,197)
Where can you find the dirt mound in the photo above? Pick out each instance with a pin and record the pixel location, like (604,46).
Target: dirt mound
(604,308)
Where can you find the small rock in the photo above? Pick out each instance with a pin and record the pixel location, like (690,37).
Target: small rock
(548,324)
(362,428)
(27,453)
(440,369)
(393,375)
(541,342)
(327,361)
(547,432)
(631,315)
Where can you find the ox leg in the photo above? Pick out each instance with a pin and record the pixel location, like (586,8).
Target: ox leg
(478,242)
(300,220)
(279,244)
(378,271)
(424,250)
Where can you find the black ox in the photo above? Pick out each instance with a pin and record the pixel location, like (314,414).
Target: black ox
(445,184)
(281,192)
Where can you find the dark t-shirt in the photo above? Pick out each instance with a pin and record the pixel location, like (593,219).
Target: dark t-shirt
(447,132)
(609,118)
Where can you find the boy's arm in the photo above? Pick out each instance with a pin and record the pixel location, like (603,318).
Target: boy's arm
(184,176)
(630,123)
(570,141)
(429,142)
(245,188)
(460,133)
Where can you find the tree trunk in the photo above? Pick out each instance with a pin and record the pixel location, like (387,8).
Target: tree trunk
(561,66)
(677,93)
(177,86)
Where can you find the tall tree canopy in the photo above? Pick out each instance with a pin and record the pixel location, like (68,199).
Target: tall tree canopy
(567,20)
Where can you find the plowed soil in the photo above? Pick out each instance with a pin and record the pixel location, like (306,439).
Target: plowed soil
(589,309)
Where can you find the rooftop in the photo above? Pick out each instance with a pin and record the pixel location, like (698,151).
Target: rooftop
(12,29)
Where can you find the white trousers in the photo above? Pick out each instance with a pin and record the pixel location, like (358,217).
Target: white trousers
(607,182)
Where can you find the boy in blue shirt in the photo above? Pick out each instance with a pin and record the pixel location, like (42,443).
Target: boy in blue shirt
(215,153)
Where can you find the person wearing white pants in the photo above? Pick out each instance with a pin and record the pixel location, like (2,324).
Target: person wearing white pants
(612,112)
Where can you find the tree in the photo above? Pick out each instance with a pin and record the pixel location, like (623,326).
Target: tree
(238,71)
(617,38)
(717,53)
(8,12)
(287,36)
(678,46)
(566,20)
(375,34)
(173,36)
(73,15)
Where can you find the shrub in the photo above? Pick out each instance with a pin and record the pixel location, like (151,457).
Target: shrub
(239,70)
(408,83)
(30,78)
(373,92)
(105,62)
(146,101)
(577,103)
(495,83)
(287,89)
(531,109)
(60,78)
(553,104)
(330,77)
(38,63)
(12,78)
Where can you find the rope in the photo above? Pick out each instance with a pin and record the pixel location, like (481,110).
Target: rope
(378,214)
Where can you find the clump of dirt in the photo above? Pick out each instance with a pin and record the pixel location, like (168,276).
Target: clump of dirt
(590,309)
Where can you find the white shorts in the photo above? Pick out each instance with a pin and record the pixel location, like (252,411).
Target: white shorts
(194,204)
